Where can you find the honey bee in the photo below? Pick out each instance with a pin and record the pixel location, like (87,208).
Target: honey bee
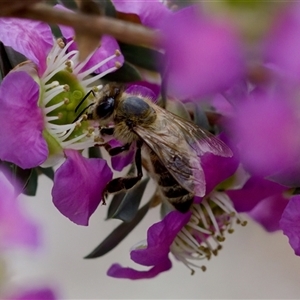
(171,144)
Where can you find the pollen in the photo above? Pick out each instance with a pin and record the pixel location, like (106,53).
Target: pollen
(60,43)
(118,65)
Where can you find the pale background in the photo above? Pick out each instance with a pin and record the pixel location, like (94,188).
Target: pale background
(252,264)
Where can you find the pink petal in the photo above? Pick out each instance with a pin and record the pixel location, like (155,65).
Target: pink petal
(119,162)
(31,38)
(265,127)
(290,223)
(160,236)
(21,122)
(145,89)
(203,55)
(269,211)
(255,190)
(34,294)
(151,13)
(15,227)
(217,168)
(282,46)
(78,186)
(117,271)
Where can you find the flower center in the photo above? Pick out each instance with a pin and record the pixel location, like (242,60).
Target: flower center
(64,84)
(202,236)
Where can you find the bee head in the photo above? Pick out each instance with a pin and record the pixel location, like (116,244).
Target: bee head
(105,105)
(105,108)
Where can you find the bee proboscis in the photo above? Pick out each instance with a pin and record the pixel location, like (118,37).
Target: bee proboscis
(172,145)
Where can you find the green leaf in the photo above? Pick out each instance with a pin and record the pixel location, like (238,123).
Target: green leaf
(117,199)
(130,202)
(70,4)
(127,73)
(94,152)
(114,204)
(49,172)
(198,115)
(31,187)
(118,234)
(108,7)
(9,58)
(21,176)
(141,56)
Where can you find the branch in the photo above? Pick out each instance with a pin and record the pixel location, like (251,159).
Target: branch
(93,25)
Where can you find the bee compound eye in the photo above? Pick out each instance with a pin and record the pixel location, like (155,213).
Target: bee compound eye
(105,108)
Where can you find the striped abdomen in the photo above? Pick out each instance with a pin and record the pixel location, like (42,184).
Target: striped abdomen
(178,196)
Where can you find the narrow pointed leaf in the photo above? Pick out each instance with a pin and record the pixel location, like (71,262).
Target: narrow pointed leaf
(119,234)
(127,73)
(199,115)
(117,198)
(141,56)
(131,201)
(22,176)
(9,58)
(68,3)
(108,7)
(49,172)
(94,152)
(31,187)
(114,204)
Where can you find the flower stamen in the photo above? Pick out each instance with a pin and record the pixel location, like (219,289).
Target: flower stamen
(202,236)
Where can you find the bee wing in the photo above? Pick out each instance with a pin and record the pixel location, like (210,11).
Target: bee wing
(176,156)
(178,143)
(200,140)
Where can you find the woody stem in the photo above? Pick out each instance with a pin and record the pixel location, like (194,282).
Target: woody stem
(95,25)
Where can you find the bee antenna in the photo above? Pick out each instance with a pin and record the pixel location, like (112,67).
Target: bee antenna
(83,99)
(82,112)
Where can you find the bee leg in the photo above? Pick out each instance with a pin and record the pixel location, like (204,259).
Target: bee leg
(126,183)
(116,150)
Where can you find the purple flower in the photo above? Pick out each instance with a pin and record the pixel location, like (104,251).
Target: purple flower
(16,229)
(58,87)
(38,101)
(191,236)
(203,55)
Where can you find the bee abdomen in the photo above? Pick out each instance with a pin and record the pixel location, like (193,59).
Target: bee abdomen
(177,195)
(182,203)
(172,191)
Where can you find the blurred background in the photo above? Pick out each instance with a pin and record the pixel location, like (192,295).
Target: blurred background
(252,264)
